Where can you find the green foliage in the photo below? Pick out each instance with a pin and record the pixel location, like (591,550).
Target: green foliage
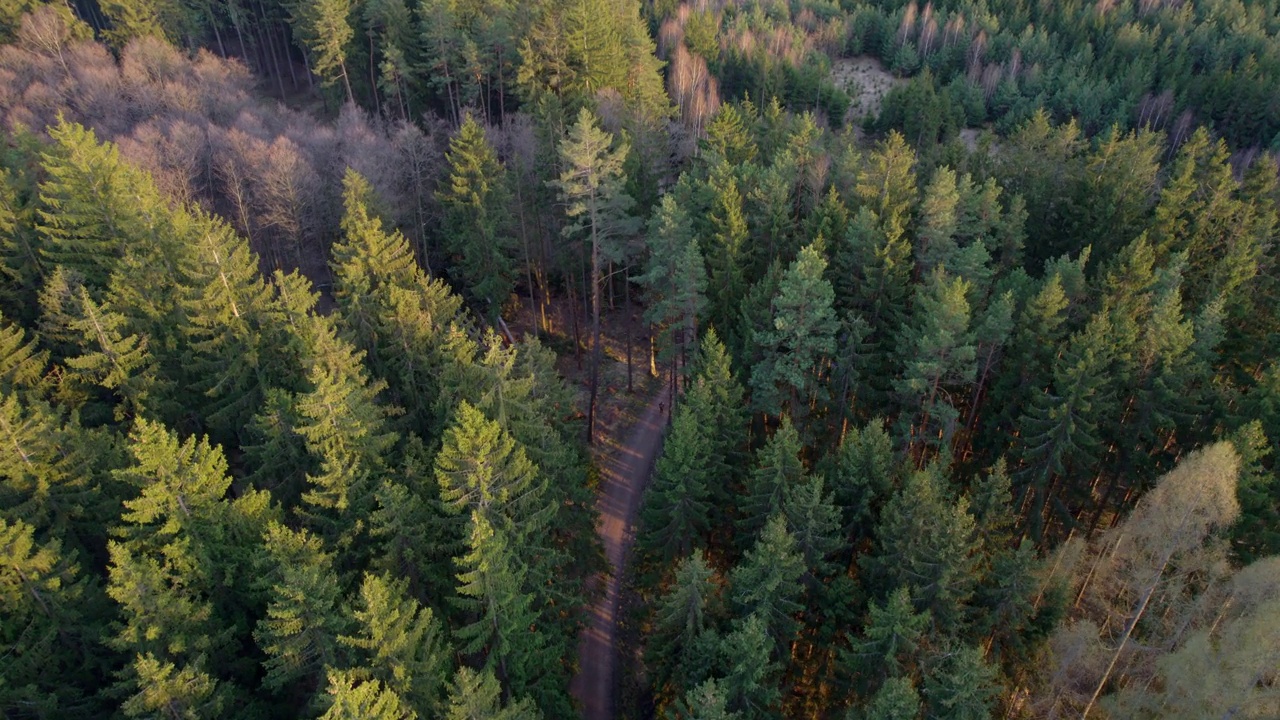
(766,584)
(778,468)
(475,202)
(399,644)
(477,696)
(675,505)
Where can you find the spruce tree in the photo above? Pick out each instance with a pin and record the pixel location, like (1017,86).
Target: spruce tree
(476,695)
(814,521)
(299,632)
(324,26)
(778,468)
(937,354)
(962,686)
(750,683)
(350,698)
(727,255)
(477,236)
(799,340)
(897,699)
(887,183)
(674,276)
(766,583)
(891,642)
(707,701)
(399,644)
(674,519)
(680,618)
(925,542)
(22,363)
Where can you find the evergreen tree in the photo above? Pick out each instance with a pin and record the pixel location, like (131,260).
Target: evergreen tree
(962,687)
(750,684)
(815,522)
(800,339)
(111,358)
(236,333)
(477,696)
(675,275)
(937,354)
(22,363)
(716,398)
(399,643)
(675,507)
(707,701)
(47,630)
(861,477)
(680,619)
(887,183)
(350,698)
(925,542)
(345,430)
(766,584)
(726,256)
(778,467)
(891,643)
(324,26)
(897,699)
(591,187)
(476,218)
(299,632)
(499,611)
(166,690)
(483,470)
(92,204)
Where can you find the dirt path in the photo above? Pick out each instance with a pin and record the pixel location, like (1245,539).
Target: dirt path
(624,473)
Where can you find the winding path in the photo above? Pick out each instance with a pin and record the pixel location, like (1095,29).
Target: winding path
(624,473)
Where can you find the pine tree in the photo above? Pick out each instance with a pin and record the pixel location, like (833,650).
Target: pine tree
(591,186)
(778,467)
(476,218)
(400,644)
(478,696)
(300,630)
(800,339)
(674,519)
(350,698)
(766,584)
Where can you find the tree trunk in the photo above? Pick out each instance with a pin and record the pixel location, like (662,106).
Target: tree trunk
(595,329)
(626,287)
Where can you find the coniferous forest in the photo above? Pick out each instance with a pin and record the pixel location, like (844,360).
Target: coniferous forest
(321,321)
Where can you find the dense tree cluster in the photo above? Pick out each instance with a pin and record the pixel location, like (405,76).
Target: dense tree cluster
(956,432)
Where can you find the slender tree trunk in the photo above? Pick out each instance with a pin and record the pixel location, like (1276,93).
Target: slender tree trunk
(288,59)
(270,46)
(595,328)
(373,78)
(626,280)
(346,82)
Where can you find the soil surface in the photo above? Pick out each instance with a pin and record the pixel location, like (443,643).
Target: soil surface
(624,472)
(867,82)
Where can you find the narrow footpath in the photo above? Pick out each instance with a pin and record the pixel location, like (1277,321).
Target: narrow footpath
(624,474)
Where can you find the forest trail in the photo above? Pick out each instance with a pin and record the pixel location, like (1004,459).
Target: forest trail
(624,473)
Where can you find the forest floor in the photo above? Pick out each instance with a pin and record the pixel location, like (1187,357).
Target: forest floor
(867,82)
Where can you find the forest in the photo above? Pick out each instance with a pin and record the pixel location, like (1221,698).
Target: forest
(318,319)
